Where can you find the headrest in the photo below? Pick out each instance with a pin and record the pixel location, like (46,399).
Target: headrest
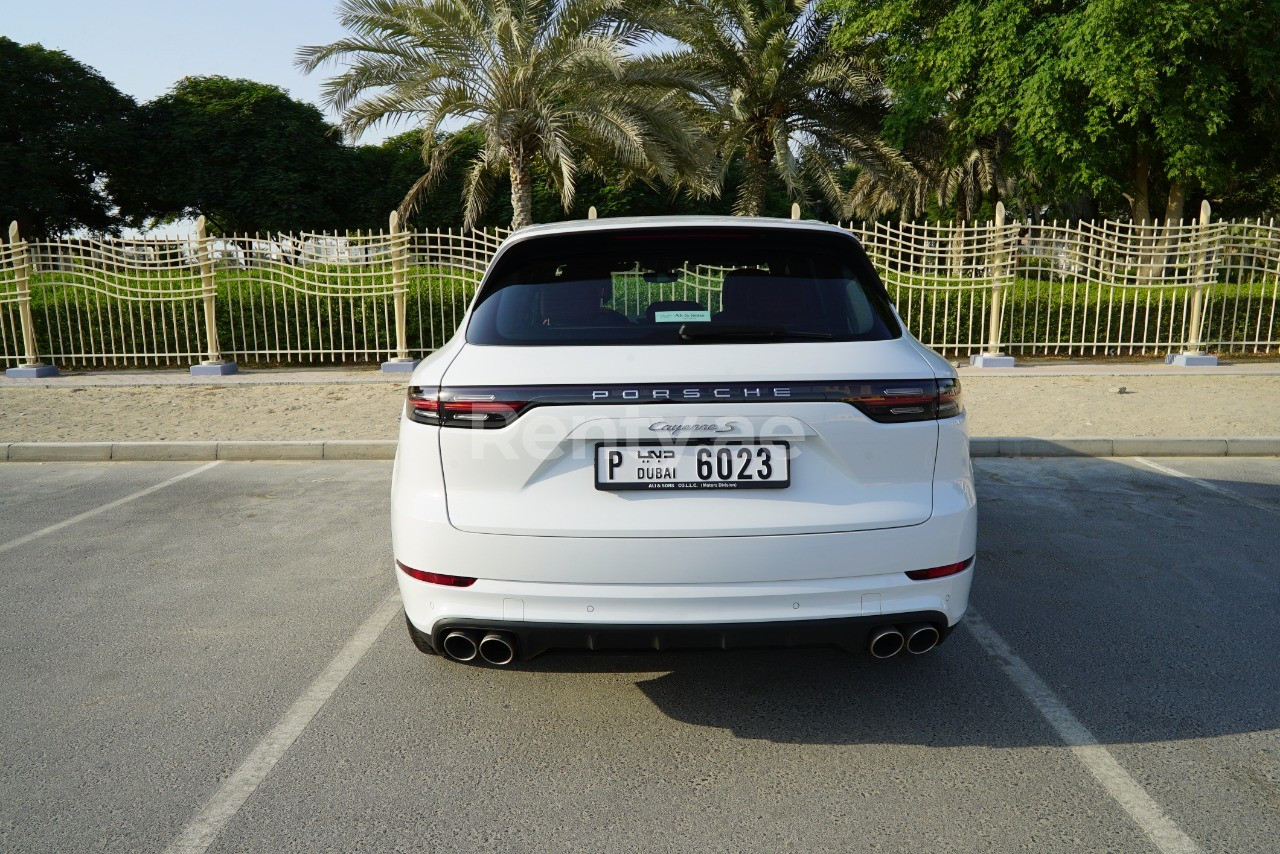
(740,289)
(600,272)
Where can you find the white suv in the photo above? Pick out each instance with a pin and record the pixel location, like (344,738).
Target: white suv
(678,432)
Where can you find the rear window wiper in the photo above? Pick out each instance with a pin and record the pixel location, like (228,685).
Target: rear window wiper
(745,332)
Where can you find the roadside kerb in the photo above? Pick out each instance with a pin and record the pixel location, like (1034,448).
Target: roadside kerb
(385,449)
(59,452)
(359,449)
(252,450)
(171,450)
(318,449)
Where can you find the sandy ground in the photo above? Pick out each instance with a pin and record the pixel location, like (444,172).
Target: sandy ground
(998,406)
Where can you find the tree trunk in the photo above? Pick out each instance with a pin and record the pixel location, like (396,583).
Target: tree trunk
(1177,201)
(752,192)
(1173,217)
(1141,186)
(1142,211)
(521,190)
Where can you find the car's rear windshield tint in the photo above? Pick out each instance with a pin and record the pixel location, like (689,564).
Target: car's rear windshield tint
(682,286)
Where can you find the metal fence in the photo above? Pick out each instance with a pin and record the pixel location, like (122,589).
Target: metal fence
(1082,288)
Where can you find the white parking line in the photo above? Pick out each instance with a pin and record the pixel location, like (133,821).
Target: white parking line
(1117,782)
(199,834)
(1212,487)
(89,514)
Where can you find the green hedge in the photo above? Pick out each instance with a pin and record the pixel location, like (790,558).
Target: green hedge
(1041,312)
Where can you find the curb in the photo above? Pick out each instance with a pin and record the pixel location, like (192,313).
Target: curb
(333,449)
(1126,446)
(385,449)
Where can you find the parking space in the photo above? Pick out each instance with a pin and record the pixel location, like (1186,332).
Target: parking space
(151,648)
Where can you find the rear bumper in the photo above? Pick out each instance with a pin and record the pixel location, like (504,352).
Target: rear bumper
(533,639)
(656,613)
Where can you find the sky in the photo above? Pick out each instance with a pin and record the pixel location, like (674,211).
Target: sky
(145,46)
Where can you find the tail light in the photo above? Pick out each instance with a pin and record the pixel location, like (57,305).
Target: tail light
(939,571)
(910,400)
(885,401)
(436,577)
(462,407)
(949,402)
(424,404)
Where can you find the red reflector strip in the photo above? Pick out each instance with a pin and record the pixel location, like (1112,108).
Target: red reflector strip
(424,400)
(939,571)
(494,407)
(436,577)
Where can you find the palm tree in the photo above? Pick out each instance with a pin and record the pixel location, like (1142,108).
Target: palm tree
(547,80)
(783,98)
(954,174)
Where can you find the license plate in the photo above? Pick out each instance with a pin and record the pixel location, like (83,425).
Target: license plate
(742,465)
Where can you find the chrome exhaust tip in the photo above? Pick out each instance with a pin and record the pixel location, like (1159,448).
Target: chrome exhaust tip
(921,637)
(497,649)
(885,642)
(459,646)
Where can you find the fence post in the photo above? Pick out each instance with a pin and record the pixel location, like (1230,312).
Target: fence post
(993,358)
(30,367)
(402,363)
(1192,355)
(213,366)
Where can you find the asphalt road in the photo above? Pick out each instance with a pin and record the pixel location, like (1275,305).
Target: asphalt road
(155,651)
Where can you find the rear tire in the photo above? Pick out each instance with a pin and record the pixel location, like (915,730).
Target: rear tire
(420,640)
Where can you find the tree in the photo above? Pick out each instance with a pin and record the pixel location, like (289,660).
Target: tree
(243,154)
(1108,98)
(62,131)
(376,178)
(383,172)
(940,179)
(543,81)
(780,96)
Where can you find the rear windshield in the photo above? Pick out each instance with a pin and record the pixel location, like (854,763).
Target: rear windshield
(682,286)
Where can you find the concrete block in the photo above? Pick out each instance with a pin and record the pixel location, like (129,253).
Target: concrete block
(400,366)
(213,369)
(4,450)
(60,452)
(986,360)
(31,372)
(1190,360)
(164,451)
(1070,446)
(984,446)
(1253,446)
(360,449)
(304,450)
(1169,446)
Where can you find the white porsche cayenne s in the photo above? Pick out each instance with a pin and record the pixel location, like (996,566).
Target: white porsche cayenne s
(682,432)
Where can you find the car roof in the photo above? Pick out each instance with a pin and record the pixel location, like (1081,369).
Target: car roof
(579,226)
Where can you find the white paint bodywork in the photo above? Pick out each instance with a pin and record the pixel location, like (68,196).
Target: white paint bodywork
(516,507)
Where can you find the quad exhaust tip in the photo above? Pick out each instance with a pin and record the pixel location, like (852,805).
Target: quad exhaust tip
(460,646)
(885,642)
(916,638)
(921,637)
(498,649)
